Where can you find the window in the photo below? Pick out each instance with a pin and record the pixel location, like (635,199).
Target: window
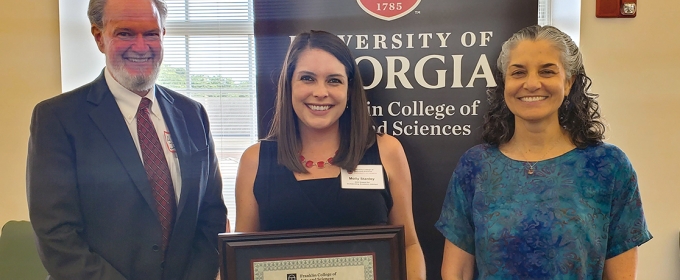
(563,14)
(544,12)
(210,57)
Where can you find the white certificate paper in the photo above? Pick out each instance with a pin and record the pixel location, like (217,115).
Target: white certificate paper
(355,267)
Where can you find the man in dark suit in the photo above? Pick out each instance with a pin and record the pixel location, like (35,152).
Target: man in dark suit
(122,177)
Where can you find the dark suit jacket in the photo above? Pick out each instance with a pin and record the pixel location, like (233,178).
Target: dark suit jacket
(90,201)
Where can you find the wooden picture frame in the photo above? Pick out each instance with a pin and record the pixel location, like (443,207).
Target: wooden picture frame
(350,253)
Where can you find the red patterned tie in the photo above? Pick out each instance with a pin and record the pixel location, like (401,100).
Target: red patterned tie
(156,170)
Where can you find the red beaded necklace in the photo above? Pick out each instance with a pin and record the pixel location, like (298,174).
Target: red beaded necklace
(320,164)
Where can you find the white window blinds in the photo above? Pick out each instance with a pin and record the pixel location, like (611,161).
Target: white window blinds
(544,12)
(210,57)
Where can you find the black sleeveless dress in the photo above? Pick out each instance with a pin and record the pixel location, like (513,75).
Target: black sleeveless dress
(285,203)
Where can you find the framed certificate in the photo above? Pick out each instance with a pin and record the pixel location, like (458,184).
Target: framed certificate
(351,253)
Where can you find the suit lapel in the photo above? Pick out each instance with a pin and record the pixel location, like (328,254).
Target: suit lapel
(108,118)
(174,120)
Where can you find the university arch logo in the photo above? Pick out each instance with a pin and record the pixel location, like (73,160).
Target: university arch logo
(388,9)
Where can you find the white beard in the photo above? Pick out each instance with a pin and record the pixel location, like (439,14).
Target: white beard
(138,83)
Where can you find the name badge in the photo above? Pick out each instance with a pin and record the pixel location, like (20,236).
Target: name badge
(364,177)
(168,142)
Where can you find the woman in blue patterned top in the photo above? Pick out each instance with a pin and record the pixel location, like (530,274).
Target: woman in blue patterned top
(544,197)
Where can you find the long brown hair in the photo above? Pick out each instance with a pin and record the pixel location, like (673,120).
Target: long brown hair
(355,124)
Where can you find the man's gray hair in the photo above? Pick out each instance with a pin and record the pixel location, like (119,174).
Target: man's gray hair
(572,59)
(95,11)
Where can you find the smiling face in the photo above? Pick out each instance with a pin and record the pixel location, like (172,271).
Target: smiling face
(535,81)
(131,39)
(319,90)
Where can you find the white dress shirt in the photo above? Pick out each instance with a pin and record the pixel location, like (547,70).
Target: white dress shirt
(128,102)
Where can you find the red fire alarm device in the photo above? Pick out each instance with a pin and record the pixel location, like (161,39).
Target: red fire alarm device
(616,8)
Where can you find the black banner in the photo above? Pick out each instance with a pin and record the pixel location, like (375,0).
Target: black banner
(426,65)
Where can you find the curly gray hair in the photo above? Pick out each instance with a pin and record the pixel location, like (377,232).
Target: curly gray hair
(571,56)
(579,113)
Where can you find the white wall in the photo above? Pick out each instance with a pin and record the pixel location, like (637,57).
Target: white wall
(634,66)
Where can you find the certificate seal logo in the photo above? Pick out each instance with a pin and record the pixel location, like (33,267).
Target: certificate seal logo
(388,9)
(291,276)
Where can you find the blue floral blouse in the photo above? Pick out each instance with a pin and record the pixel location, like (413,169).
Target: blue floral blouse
(561,222)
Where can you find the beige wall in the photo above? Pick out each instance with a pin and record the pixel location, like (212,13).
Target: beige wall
(634,66)
(29,55)
(633,63)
